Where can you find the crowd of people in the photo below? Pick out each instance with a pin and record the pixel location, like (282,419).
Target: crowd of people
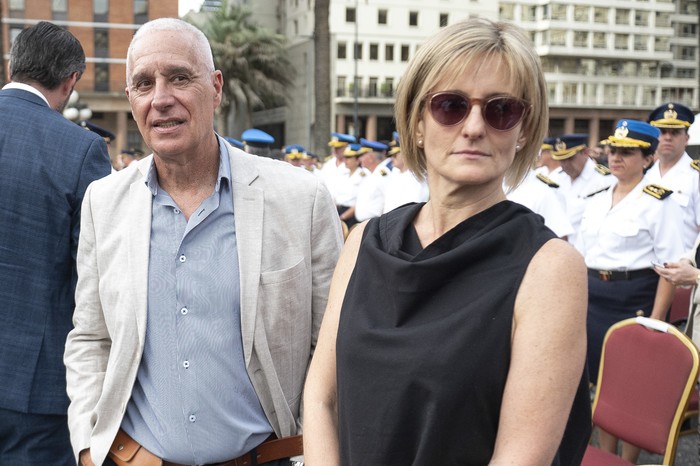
(434,299)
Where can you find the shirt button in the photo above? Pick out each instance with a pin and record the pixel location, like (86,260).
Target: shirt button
(184,311)
(186,364)
(193,418)
(176,211)
(182,258)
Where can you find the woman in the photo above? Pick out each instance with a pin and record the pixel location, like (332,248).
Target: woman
(623,231)
(462,333)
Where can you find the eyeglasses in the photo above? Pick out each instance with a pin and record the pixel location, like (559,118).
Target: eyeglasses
(500,112)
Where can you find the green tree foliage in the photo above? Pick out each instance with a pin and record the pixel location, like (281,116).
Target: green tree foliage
(252,60)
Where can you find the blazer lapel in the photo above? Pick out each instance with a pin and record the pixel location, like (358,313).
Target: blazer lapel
(248,205)
(138,240)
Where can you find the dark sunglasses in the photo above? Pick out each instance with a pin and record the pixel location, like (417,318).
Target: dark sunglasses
(500,112)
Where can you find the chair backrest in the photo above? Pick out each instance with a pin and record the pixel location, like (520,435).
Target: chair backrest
(678,313)
(647,372)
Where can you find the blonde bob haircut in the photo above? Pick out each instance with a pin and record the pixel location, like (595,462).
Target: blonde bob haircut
(446,56)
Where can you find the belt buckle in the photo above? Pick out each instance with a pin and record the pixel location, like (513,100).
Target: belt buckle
(605,275)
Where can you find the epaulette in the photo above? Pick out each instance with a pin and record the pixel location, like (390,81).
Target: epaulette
(546,180)
(656,191)
(383,172)
(695,164)
(602,169)
(597,192)
(363,174)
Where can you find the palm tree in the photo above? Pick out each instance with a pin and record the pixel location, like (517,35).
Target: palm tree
(322,125)
(252,60)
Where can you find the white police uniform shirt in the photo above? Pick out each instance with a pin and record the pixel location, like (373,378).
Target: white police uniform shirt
(684,181)
(403,188)
(630,235)
(348,186)
(577,192)
(370,195)
(540,197)
(331,174)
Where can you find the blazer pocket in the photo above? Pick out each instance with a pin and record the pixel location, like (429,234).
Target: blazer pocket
(284,275)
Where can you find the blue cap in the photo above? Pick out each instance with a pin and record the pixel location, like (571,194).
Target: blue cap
(633,133)
(294,151)
(107,135)
(671,115)
(340,140)
(234,142)
(548,143)
(256,137)
(374,145)
(567,145)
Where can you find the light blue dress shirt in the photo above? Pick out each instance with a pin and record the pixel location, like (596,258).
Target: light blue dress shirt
(193,402)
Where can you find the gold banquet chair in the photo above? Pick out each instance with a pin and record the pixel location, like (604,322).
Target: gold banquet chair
(648,370)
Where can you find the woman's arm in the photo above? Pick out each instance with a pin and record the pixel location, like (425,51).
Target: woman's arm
(320,412)
(547,357)
(662,302)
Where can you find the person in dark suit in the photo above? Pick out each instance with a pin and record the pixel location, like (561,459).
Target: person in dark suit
(46,163)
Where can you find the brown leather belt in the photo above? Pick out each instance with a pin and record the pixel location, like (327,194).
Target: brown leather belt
(613,275)
(126,451)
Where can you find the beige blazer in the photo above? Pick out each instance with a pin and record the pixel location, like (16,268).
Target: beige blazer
(289,238)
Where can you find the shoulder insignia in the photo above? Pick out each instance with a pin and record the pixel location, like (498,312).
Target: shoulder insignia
(656,191)
(546,180)
(596,192)
(363,174)
(695,164)
(602,169)
(383,172)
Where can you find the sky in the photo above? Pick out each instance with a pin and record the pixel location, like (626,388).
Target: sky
(184,6)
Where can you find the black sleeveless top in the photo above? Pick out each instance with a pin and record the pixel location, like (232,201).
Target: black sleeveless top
(423,346)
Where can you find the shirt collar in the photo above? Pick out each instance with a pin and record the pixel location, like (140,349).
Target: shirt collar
(28,88)
(151,179)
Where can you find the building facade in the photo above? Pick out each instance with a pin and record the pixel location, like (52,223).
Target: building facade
(603,59)
(104,29)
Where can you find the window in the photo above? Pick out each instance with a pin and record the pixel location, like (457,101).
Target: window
(557,37)
(372,90)
(581,13)
(580,39)
(687,53)
(381,17)
(16,5)
(342,50)
(622,16)
(444,17)
(663,20)
(341,86)
(389,52)
(358,51)
(100,7)
(374,51)
(388,87)
(404,53)
(629,93)
(101,39)
(59,6)
(102,77)
(531,14)
(14,32)
(569,93)
(610,94)
(688,30)
(641,42)
(296,27)
(641,18)
(621,41)
(413,18)
(600,15)
(140,7)
(350,15)
(506,11)
(559,12)
(599,40)
(661,44)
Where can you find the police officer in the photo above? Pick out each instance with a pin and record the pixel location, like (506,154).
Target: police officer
(334,168)
(580,177)
(294,154)
(256,141)
(370,195)
(674,169)
(624,229)
(349,183)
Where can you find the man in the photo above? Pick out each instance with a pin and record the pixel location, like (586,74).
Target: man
(256,141)
(47,163)
(203,278)
(580,177)
(370,194)
(334,170)
(546,165)
(674,169)
(294,154)
(402,187)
